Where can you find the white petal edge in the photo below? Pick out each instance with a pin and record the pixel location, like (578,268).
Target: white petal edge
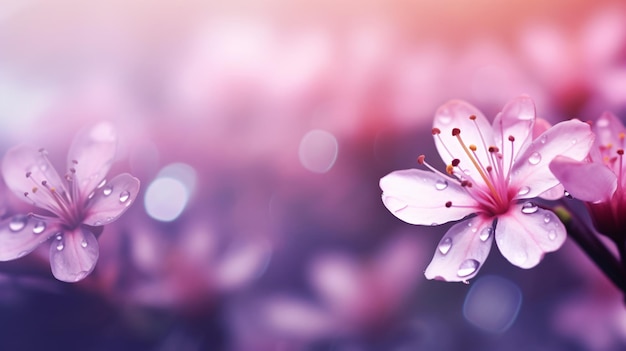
(419,197)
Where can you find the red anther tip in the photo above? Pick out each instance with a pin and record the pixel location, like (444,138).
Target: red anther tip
(449,204)
(472,117)
(456,131)
(420,159)
(511,138)
(455,162)
(436,131)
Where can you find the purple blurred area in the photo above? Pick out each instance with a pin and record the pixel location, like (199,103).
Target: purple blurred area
(259,131)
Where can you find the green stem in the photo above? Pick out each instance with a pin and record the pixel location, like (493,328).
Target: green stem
(587,239)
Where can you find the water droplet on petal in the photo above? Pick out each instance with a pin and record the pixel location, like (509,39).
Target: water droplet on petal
(59,237)
(124,196)
(17,223)
(468,267)
(22,254)
(445,245)
(547,219)
(567,194)
(485,233)
(60,246)
(552,234)
(39,227)
(529,208)
(543,139)
(534,158)
(523,191)
(107,190)
(97,223)
(104,181)
(83,243)
(441,184)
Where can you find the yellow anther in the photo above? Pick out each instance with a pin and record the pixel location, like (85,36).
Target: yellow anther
(621,136)
(472,147)
(449,169)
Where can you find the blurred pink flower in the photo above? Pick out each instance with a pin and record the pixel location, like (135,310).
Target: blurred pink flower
(493,167)
(74,208)
(605,195)
(355,296)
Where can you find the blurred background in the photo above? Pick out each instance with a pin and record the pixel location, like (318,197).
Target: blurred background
(259,131)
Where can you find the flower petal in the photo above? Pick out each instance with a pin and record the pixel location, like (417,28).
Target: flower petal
(541,125)
(575,177)
(530,170)
(111,200)
(23,160)
(516,120)
(73,254)
(462,251)
(456,114)
(527,232)
(608,129)
(21,234)
(419,197)
(91,155)
(554,193)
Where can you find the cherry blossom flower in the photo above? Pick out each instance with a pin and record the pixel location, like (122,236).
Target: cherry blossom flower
(605,196)
(491,170)
(74,206)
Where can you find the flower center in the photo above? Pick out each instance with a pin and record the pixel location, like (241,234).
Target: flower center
(55,198)
(486,180)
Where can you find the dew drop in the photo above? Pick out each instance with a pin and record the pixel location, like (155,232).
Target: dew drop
(441,184)
(97,223)
(59,237)
(534,158)
(543,139)
(83,243)
(445,245)
(567,194)
(104,181)
(547,219)
(523,191)
(107,190)
(124,196)
(486,233)
(552,234)
(17,223)
(468,267)
(22,254)
(60,246)
(91,195)
(529,208)
(39,227)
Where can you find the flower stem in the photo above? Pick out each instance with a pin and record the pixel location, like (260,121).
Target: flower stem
(587,239)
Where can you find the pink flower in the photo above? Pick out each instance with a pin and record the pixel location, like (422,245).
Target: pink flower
(74,206)
(599,179)
(491,169)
